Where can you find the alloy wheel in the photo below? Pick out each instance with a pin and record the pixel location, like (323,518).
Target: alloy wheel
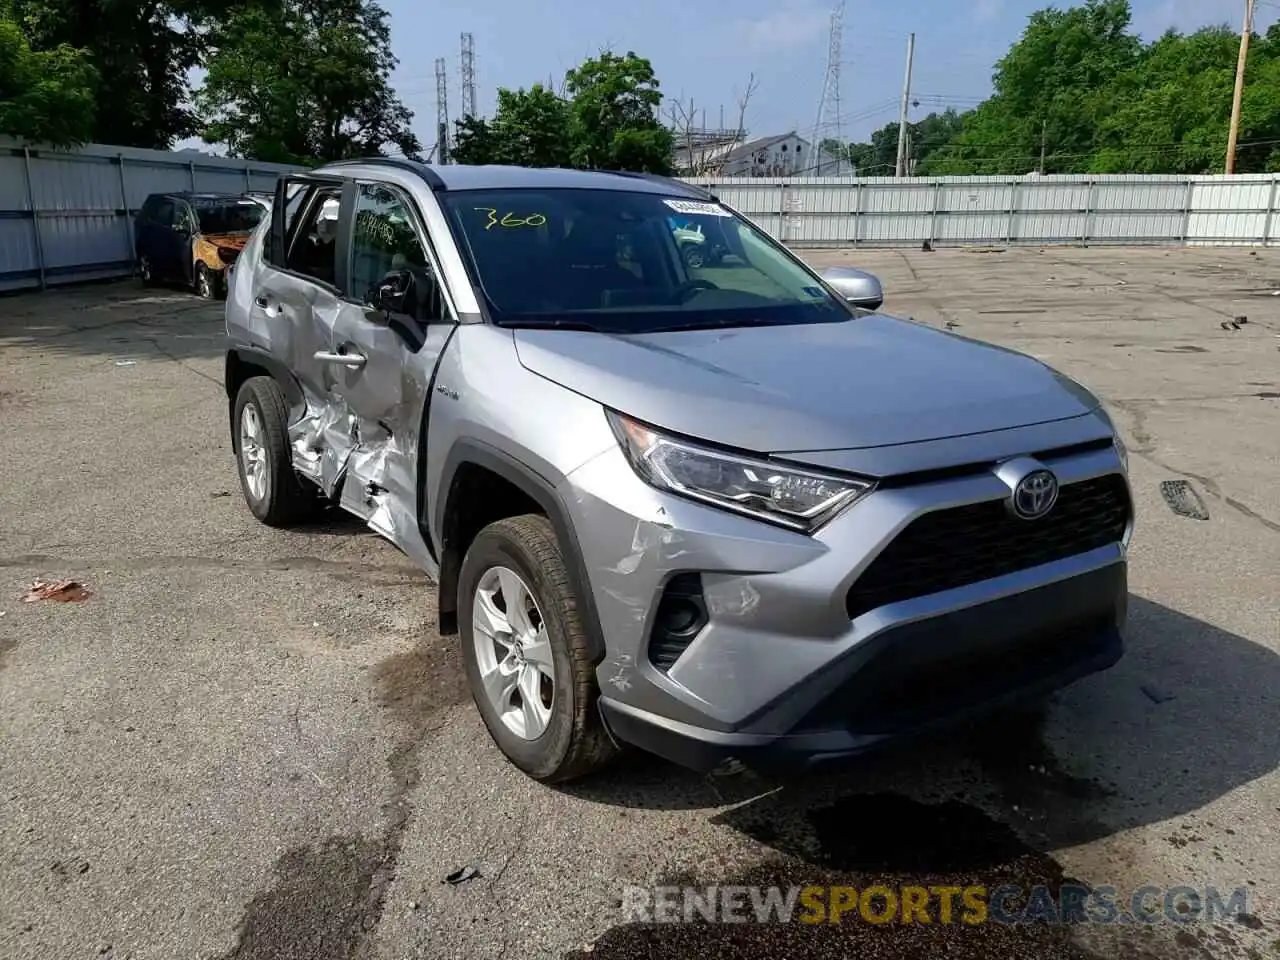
(513,653)
(253,452)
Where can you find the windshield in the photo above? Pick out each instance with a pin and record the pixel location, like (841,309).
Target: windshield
(236,216)
(627,262)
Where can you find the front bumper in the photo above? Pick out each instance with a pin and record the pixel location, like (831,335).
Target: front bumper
(914,679)
(786,669)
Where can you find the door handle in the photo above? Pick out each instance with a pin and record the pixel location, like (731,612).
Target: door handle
(263,302)
(346,359)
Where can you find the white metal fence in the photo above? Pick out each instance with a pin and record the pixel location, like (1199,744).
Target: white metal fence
(69,216)
(883,211)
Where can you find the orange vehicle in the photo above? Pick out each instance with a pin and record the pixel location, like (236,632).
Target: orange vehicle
(194,238)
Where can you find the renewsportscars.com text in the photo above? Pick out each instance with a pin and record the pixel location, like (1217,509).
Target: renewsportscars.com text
(969,905)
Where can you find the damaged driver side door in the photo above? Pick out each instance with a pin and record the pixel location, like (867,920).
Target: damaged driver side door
(391,327)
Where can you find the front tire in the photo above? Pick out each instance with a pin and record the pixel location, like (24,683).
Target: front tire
(206,283)
(273,491)
(146,271)
(526,653)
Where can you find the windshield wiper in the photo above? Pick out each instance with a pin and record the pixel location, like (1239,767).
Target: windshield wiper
(712,324)
(556,324)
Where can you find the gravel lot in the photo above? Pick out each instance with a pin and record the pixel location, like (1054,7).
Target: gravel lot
(249,744)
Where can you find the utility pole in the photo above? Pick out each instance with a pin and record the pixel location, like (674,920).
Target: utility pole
(902,118)
(1234,136)
(1044,143)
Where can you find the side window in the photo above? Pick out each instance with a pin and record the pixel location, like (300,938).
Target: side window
(296,195)
(313,245)
(386,248)
(184,217)
(163,213)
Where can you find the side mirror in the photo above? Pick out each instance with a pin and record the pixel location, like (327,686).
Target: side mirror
(392,292)
(858,287)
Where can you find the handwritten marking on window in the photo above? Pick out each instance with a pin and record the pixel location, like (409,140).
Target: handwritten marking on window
(511,220)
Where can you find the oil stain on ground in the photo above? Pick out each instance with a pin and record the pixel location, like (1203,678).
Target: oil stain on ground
(319,907)
(887,839)
(862,841)
(329,896)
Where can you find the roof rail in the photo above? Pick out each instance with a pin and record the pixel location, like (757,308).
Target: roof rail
(692,188)
(400,163)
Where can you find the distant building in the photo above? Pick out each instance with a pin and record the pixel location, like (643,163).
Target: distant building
(783,155)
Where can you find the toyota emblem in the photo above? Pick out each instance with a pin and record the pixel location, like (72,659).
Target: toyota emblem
(1035,494)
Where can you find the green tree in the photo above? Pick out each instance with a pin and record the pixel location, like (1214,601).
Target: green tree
(1053,88)
(608,121)
(141,50)
(613,115)
(1079,86)
(306,81)
(879,156)
(46,96)
(935,132)
(530,128)
(1171,110)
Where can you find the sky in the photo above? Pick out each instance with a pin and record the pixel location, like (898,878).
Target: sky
(706,53)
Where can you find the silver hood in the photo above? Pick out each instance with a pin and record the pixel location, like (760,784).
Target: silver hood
(868,382)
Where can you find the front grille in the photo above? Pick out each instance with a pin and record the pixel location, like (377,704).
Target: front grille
(953,548)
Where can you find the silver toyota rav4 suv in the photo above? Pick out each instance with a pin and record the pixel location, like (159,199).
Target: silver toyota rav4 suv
(719,511)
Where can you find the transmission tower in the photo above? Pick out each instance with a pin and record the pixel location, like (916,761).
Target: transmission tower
(468,76)
(828,125)
(442,111)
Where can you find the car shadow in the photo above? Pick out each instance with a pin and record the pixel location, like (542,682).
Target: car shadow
(1188,715)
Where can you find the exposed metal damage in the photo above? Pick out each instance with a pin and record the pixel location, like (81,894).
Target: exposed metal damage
(366,468)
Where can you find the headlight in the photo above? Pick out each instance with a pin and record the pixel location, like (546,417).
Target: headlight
(1122,451)
(781,494)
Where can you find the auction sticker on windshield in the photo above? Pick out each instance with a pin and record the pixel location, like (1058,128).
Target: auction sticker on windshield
(697,208)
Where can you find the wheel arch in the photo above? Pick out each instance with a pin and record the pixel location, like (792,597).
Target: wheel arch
(244,363)
(456,516)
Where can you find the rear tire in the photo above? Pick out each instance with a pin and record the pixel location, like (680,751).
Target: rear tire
(570,741)
(274,492)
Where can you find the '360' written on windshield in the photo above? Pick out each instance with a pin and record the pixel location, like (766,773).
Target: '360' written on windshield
(628,262)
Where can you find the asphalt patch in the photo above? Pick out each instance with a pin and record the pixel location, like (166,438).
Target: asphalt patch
(862,841)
